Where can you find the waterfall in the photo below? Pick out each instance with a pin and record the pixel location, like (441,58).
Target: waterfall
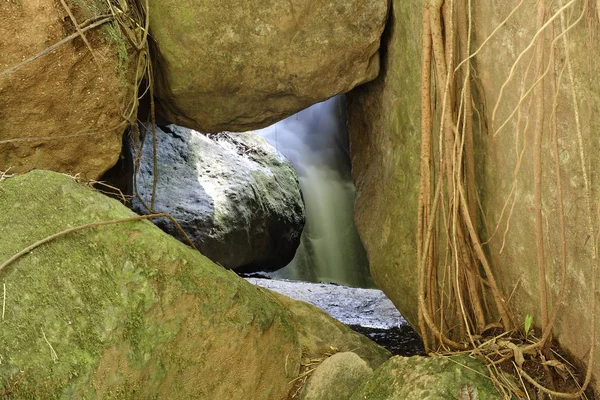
(315,141)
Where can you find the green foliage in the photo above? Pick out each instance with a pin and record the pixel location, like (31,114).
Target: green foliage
(527,325)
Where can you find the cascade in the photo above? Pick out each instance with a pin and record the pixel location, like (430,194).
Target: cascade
(315,141)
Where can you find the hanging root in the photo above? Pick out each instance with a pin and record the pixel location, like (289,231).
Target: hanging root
(459,298)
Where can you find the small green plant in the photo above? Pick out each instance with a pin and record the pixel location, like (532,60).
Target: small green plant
(528,322)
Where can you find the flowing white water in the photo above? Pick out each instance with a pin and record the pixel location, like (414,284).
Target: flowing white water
(316,142)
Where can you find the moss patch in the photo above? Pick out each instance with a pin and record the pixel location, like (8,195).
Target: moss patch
(129,311)
(428,378)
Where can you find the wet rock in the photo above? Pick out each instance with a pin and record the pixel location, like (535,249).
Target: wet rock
(235,196)
(399,340)
(351,306)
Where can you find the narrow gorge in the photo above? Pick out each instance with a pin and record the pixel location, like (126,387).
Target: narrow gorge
(171,171)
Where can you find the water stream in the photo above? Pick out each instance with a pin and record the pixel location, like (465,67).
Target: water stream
(315,141)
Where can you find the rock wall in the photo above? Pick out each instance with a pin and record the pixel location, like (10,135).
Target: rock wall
(384,125)
(385,139)
(64,110)
(514,254)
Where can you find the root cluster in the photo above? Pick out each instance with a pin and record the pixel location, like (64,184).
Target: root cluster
(461,306)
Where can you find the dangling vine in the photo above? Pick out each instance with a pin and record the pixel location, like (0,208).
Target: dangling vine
(459,298)
(454,178)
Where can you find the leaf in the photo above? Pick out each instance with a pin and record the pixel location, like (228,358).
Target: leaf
(560,368)
(518,353)
(528,322)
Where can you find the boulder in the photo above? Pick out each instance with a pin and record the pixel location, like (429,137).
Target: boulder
(384,124)
(336,378)
(125,311)
(230,65)
(63,111)
(236,196)
(429,378)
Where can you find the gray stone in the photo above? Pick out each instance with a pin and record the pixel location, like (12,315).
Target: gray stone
(231,65)
(385,125)
(235,196)
(351,306)
(336,378)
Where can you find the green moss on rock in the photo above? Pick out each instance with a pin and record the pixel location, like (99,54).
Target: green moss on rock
(427,378)
(125,311)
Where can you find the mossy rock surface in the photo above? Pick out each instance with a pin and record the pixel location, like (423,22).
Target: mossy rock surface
(429,378)
(125,311)
(385,128)
(236,66)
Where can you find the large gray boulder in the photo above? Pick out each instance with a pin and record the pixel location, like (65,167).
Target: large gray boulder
(239,65)
(236,197)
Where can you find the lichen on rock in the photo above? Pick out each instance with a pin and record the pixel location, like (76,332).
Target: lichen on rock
(236,197)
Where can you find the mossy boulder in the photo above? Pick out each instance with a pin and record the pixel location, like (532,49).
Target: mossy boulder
(384,126)
(66,110)
(429,378)
(231,65)
(236,197)
(125,311)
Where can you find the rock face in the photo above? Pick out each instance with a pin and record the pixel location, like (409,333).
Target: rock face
(230,65)
(236,197)
(125,311)
(385,140)
(429,378)
(384,126)
(351,306)
(64,110)
(336,378)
